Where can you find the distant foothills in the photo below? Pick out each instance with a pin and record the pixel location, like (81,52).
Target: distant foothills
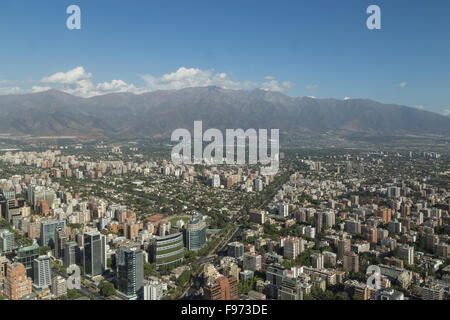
(157,114)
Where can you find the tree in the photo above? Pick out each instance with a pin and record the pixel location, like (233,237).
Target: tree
(73,294)
(148,268)
(184,278)
(107,288)
(44,249)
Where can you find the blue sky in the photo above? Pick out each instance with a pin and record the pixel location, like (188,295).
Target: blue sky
(319,48)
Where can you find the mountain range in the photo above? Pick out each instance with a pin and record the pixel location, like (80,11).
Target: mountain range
(157,114)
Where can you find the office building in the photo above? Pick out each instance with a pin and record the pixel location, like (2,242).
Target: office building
(167,249)
(48,231)
(70,253)
(26,256)
(60,243)
(195,234)
(94,253)
(130,271)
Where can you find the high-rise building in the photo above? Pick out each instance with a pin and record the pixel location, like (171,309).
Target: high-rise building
(215,181)
(235,249)
(167,249)
(343,247)
(252,261)
(329,219)
(48,231)
(406,253)
(258,184)
(42,272)
(441,250)
(70,253)
(94,253)
(60,243)
(130,270)
(7,241)
(59,286)
(153,290)
(352,226)
(275,274)
(351,262)
(26,256)
(3,268)
(293,247)
(394,192)
(318,221)
(195,234)
(317,261)
(431,292)
(17,284)
(224,288)
(329,258)
(257,216)
(283,210)
(290,289)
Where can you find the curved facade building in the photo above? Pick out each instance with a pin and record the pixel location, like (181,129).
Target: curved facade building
(167,249)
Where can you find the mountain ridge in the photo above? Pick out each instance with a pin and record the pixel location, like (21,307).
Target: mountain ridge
(158,113)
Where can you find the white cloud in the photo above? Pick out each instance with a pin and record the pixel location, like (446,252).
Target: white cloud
(116,86)
(36,89)
(191,77)
(403,84)
(11,90)
(420,107)
(79,82)
(446,112)
(311,97)
(312,86)
(70,77)
(347,98)
(274,85)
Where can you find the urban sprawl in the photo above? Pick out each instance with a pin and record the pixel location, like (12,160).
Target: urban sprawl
(127,224)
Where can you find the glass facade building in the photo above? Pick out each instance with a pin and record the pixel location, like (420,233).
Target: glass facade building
(195,234)
(48,231)
(26,256)
(130,271)
(94,253)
